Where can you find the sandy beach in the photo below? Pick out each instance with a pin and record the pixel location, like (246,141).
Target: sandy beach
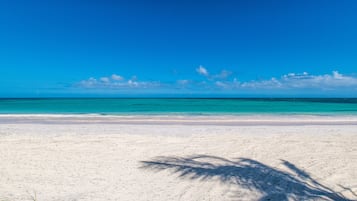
(160,158)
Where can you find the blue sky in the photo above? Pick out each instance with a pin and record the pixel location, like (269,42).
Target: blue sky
(178,48)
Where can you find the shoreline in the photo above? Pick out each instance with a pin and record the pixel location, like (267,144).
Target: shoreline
(229,120)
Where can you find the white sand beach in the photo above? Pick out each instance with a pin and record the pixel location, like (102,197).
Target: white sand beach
(161,158)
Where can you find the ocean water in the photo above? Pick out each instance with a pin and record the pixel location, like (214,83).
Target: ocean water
(185,106)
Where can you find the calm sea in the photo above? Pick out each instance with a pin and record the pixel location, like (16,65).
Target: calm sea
(187,106)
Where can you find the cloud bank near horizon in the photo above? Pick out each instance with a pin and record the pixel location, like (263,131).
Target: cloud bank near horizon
(225,82)
(115,82)
(304,80)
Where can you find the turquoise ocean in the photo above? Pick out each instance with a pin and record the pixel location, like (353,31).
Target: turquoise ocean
(180,106)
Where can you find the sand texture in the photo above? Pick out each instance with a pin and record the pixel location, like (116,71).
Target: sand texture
(63,159)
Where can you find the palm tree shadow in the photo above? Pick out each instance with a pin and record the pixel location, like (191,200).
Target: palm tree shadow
(272,183)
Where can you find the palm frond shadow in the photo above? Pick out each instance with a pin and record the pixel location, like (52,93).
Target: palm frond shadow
(273,183)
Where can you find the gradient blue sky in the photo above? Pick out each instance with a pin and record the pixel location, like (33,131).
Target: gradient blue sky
(174,48)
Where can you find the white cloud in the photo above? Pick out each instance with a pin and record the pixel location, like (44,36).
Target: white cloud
(202,71)
(105,79)
(116,82)
(292,82)
(183,82)
(326,81)
(222,75)
(89,82)
(263,84)
(117,77)
(300,81)
(133,83)
(222,84)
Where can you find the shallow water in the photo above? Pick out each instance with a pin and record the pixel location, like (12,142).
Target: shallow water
(187,106)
